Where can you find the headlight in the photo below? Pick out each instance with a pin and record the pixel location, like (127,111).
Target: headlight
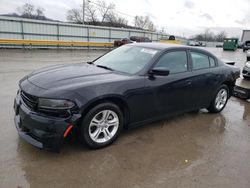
(55,104)
(248,64)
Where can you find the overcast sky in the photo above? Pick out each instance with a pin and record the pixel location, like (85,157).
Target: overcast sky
(179,17)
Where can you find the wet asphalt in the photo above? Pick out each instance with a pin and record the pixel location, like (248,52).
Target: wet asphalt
(189,150)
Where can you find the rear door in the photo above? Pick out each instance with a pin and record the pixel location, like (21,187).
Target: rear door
(205,77)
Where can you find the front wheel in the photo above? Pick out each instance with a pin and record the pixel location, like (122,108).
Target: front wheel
(102,125)
(220,100)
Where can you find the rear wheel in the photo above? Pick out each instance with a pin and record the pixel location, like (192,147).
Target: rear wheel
(220,100)
(102,125)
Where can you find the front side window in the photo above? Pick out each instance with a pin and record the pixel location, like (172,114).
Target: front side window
(175,61)
(199,60)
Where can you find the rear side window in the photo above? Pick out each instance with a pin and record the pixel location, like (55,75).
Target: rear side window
(199,60)
(175,61)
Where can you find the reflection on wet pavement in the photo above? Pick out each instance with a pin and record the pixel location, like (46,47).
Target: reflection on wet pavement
(189,150)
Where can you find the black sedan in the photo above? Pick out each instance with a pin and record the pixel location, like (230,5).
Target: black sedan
(129,86)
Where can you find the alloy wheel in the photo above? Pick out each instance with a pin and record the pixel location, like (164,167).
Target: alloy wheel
(103,126)
(221,99)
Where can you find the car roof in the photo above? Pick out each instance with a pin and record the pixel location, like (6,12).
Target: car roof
(157,45)
(164,46)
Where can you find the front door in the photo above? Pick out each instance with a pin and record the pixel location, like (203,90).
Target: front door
(170,94)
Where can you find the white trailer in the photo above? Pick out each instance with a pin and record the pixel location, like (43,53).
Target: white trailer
(245,35)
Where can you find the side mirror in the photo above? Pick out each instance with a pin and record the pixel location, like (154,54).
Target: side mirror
(160,71)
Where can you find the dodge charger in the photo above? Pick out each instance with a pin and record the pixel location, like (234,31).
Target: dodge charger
(129,86)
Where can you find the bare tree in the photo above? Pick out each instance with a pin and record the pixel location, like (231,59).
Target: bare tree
(105,9)
(91,13)
(221,36)
(74,15)
(27,10)
(93,10)
(122,21)
(207,35)
(151,26)
(99,12)
(139,22)
(115,19)
(30,11)
(144,22)
(40,12)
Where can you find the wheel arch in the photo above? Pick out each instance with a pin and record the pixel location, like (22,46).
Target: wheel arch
(117,100)
(230,84)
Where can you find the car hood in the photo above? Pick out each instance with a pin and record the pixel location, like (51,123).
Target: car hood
(65,76)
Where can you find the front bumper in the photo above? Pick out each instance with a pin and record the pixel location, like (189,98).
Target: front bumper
(246,71)
(40,130)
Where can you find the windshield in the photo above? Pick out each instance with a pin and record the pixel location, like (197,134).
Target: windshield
(128,59)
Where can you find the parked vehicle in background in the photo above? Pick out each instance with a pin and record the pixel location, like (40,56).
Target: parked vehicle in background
(132,39)
(219,45)
(171,37)
(170,40)
(246,46)
(140,39)
(246,68)
(248,55)
(122,42)
(194,43)
(230,44)
(129,86)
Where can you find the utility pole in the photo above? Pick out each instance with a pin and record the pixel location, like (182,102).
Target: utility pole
(83,11)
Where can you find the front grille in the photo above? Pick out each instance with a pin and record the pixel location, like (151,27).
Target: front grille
(29,100)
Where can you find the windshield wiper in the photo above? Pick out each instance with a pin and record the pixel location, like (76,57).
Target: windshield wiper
(105,67)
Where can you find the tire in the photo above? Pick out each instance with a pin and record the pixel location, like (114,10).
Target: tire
(220,100)
(95,133)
